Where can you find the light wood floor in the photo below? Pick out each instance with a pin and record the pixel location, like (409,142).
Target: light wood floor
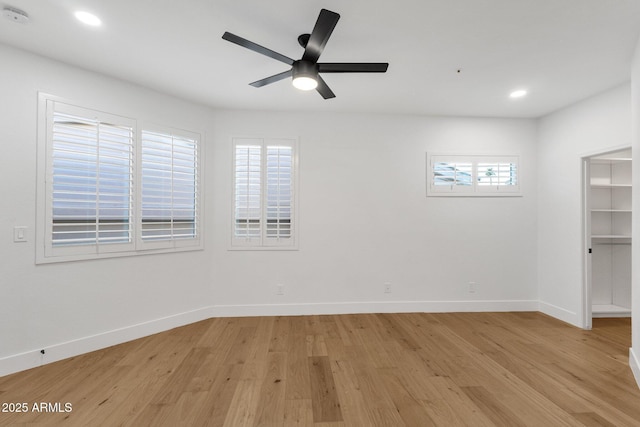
(471,369)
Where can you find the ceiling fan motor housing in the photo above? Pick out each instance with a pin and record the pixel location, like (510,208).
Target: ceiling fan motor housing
(303,68)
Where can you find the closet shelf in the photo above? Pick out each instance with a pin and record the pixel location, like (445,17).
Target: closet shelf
(610,236)
(606,160)
(612,210)
(610,310)
(610,185)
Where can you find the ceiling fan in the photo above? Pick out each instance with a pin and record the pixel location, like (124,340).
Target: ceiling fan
(306,71)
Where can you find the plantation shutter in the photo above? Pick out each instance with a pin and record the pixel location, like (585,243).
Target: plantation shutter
(90,181)
(495,175)
(169,197)
(477,175)
(248,193)
(263,193)
(451,174)
(279,188)
(104,192)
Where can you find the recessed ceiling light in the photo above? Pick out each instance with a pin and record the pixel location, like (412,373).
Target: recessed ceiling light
(88,18)
(518,93)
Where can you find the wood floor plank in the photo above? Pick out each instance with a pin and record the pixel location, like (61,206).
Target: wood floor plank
(492,407)
(270,409)
(219,396)
(409,407)
(316,345)
(180,378)
(298,413)
(324,398)
(451,407)
(380,407)
(591,419)
(413,369)
(298,381)
(353,403)
(395,331)
(241,348)
(277,333)
(242,408)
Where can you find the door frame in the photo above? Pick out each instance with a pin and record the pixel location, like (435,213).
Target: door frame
(587,314)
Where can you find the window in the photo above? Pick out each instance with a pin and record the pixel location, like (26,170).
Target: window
(112,189)
(264,176)
(497,175)
(462,175)
(169,197)
(453,175)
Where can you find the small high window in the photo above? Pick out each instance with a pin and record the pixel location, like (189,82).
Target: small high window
(462,175)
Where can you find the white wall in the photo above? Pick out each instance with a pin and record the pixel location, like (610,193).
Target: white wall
(364,220)
(599,123)
(67,308)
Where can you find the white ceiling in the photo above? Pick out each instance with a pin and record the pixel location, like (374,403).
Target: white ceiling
(561,51)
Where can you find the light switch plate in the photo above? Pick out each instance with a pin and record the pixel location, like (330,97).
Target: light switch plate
(19,234)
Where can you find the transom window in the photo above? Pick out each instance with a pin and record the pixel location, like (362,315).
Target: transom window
(462,175)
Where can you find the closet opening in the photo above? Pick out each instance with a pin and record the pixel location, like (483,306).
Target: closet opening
(607,235)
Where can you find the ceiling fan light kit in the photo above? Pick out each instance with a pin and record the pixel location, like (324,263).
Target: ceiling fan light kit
(305,73)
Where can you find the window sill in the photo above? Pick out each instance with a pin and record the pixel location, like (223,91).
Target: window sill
(41,259)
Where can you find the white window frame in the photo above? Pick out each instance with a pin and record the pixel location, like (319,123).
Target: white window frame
(475,189)
(263,241)
(46,251)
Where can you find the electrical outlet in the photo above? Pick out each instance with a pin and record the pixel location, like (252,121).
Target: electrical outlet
(279,289)
(472,287)
(387,287)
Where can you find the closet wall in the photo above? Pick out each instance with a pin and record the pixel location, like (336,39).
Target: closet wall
(596,125)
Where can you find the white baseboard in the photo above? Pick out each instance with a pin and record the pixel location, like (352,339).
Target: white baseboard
(561,314)
(54,353)
(634,363)
(371,307)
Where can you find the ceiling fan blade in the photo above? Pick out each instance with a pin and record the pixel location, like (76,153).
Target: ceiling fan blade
(324,90)
(256,48)
(353,67)
(325,24)
(272,79)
